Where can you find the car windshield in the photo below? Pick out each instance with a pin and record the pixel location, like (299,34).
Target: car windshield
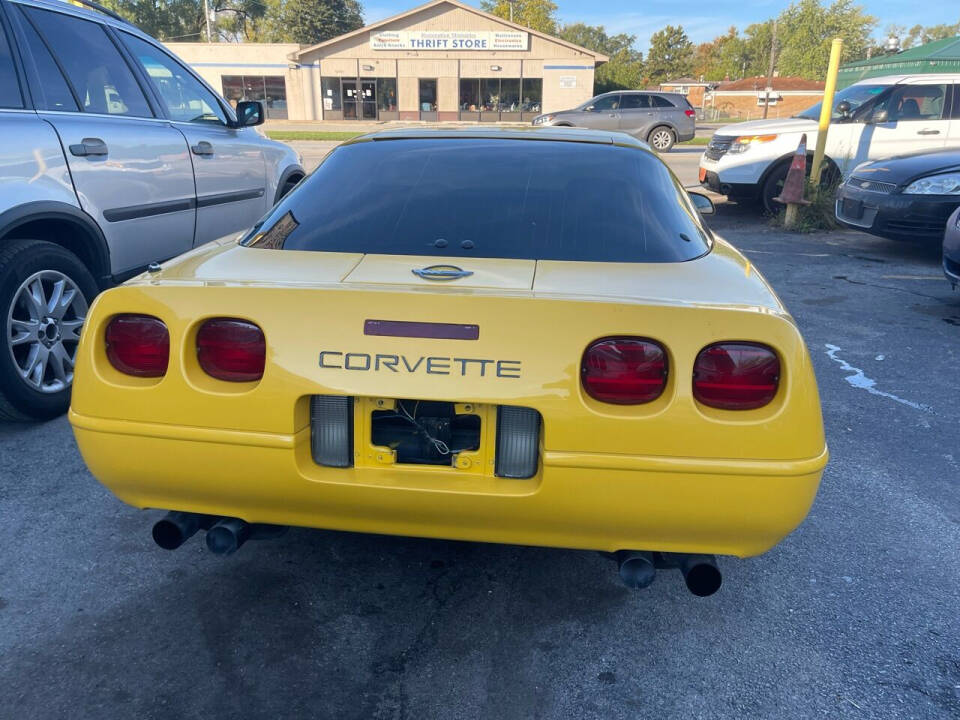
(489,197)
(856,95)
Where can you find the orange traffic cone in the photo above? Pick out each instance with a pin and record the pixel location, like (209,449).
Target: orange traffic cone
(792,193)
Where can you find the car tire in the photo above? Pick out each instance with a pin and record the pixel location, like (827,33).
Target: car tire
(773,185)
(662,139)
(45,292)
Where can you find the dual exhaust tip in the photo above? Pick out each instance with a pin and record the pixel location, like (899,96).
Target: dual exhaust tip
(224,535)
(639,568)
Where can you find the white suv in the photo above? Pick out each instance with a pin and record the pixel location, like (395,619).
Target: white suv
(872,119)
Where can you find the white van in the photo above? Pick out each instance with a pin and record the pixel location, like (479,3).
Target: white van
(873,119)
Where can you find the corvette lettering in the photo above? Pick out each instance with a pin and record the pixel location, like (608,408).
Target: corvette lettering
(430,365)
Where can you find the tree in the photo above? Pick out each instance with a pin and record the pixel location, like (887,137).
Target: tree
(310,21)
(806,30)
(920,35)
(538,15)
(671,54)
(624,70)
(163,19)
(301,21)
(725,58)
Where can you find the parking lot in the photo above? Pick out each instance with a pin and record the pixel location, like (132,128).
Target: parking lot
(854,615)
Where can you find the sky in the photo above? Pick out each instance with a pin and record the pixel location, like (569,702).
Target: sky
(702,20)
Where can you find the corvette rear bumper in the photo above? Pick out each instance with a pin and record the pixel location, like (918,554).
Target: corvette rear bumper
(577,500)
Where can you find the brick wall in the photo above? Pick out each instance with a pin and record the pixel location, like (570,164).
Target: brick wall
(745,107)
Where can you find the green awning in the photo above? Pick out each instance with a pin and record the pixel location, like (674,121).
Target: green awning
(939,56)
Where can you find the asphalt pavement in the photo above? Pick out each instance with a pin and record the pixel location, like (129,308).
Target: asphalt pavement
(854,615)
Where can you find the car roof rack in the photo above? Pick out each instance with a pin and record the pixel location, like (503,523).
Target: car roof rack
(106,11)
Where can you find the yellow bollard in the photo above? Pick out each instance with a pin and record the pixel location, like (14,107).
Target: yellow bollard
(826,110)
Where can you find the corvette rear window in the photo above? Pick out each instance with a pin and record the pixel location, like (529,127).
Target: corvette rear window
(499,198)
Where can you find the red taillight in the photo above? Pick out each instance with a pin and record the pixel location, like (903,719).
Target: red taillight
(736,375)
(138,345)
(624,370)
(232,350)
(690,113)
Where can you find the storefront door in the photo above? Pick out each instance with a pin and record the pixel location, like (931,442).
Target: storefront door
(350,99)
(428,99)
(368,99)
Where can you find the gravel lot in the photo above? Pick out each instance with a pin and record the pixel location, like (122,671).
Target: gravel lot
(855,615)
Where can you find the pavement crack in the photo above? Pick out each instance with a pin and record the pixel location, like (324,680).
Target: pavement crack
(888,287)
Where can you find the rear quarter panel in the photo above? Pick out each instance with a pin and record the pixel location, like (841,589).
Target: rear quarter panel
(32,164)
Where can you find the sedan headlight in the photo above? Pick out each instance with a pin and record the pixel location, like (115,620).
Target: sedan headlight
(543,119)
(743,143)
(946,184)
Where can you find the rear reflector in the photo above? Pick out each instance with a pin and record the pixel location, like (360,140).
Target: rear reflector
(624,370)
(138,345)
(736,375)
(231,350)
(331,430)
(518,441)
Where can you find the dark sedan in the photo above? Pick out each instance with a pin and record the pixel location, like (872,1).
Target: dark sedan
(908,197)
(951,249)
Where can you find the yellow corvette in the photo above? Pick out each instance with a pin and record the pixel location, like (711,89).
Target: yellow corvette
(518,337)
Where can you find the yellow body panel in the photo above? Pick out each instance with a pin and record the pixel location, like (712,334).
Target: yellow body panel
(670,475)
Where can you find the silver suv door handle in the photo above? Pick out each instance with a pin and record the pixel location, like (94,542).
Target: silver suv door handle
(89,146)
(202,148)
(928,132)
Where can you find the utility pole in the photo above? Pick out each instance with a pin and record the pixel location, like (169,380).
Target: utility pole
(206,16)
(512,3)
(773,54)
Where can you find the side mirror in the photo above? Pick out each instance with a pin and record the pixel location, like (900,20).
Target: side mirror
(702,203)
(843,107)
(588,108)
(879,117)
(250,113)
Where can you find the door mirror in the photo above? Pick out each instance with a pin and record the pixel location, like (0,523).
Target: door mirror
(589,108)
(843,107)
(249,113)
(702,203)
(879,116)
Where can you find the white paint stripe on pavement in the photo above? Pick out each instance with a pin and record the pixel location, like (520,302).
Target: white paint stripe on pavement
(859,380)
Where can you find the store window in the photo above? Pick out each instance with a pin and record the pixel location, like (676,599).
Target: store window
(470,95)
(387,95)
(271,90)
(497,98)
(330,89)
(532,96)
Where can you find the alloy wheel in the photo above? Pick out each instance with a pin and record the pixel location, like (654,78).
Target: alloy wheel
(44,321)
(661,139)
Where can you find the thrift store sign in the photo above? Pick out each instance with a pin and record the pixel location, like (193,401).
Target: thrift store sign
(448,40)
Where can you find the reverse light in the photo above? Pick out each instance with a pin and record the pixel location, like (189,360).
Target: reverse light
(744,142)
(518,441)
(736,376)
(138,345)
(946,184)
(331,430)
(231,349)
(624,370)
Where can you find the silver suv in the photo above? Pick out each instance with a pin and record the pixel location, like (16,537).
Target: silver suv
(661,119)
(113,155)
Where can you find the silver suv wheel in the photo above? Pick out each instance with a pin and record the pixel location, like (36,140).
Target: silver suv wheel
(44,321)
(661,139)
